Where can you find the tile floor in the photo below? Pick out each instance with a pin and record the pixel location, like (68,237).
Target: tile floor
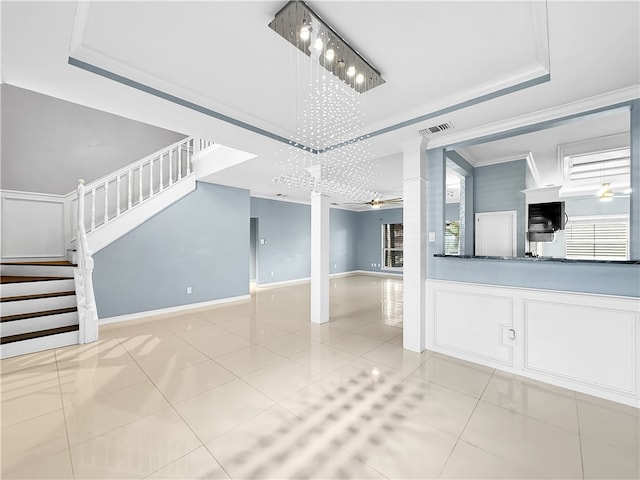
(253,390)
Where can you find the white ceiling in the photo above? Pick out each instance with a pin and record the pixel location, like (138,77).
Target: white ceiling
(223,56)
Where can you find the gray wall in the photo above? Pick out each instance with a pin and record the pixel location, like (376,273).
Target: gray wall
(355,239)
(343,240)
(499,188)
(200,241)
(612,279)
(47,143)
(452,212)
(285,228)
(369,237)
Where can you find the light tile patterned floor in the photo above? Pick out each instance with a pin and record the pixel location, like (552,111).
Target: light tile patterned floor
(253,390)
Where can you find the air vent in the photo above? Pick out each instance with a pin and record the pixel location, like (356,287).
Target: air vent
(281,194)
(436,129)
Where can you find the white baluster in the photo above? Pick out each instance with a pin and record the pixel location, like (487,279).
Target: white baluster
(140,184)
(151,177)
(161,172)
(87,311)
(129,190)
(188,159)
(179,150)
(106,201)
(170,168)
(93,208)
(118,195)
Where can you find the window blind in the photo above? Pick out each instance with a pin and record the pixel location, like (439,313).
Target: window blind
(597,239)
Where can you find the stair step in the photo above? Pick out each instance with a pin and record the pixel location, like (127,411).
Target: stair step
(23,316)
(57,263)
(37,269)
(37,295)
(38,334)
(35,285)
(42,322)
(39,303)
(5,279)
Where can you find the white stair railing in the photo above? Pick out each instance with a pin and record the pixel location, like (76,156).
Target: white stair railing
(113,195)
(83,276)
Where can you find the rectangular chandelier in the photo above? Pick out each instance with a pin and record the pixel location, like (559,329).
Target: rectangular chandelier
(297,23)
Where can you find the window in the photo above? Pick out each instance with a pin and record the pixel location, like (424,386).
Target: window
(598,238)
(452,238)
(392,256)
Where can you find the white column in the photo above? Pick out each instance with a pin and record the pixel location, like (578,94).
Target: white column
(415,244)
(319,258)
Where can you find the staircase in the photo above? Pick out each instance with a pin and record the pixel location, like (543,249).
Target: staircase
(38,307)
(48,304)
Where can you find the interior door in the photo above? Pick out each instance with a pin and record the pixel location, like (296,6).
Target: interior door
(496,234)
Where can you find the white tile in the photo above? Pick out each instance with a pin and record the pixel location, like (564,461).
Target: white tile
(468,461)
(216,411)
(88,418)
(271,444)
(33,439)
(57,465)
(190,381)
(281,379)
(247,360)
(160,363)
(135,450)
(464,377)
(354,344)
(551,405)
(601,460)
(323,358)
(198,464)
(553,451)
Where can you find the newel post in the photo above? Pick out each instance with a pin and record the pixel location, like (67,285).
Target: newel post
(83,275)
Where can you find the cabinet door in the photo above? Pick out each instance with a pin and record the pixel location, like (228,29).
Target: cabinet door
(496,234)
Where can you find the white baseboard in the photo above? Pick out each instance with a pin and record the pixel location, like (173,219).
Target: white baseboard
(170,310)
(350,273)
(378,274)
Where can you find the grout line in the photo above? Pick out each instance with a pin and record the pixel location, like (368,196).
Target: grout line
(466,423)
(579,436)
(64,416)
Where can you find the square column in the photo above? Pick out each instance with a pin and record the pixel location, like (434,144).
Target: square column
(319,258)
(415,244)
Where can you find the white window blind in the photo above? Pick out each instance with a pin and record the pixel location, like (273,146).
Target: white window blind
(598,238)
(452,238)
(392,242)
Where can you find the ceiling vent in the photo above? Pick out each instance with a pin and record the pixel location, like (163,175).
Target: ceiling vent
(436,129)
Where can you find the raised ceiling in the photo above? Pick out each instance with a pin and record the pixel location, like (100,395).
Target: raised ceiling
(433,55)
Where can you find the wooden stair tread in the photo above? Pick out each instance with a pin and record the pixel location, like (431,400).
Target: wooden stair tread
(20,279)
(23,316)
(36,296)
(56,263)
(38,334)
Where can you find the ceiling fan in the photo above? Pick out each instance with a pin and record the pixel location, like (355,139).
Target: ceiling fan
(375,203)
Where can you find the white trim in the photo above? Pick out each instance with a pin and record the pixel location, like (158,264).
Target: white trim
(580,106)
(168,310)
(537,334)
(283,283)
(507,159)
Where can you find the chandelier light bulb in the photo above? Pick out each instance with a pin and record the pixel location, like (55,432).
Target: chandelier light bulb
(305,32)
(351,71)
(330,54)
(359,78)
(318,44)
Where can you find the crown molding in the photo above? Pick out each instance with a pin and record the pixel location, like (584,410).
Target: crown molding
(610,99)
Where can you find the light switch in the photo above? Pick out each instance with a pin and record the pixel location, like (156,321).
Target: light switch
(432,236)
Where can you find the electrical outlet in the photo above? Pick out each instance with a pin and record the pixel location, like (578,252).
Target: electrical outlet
(189,290)
(272,273)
